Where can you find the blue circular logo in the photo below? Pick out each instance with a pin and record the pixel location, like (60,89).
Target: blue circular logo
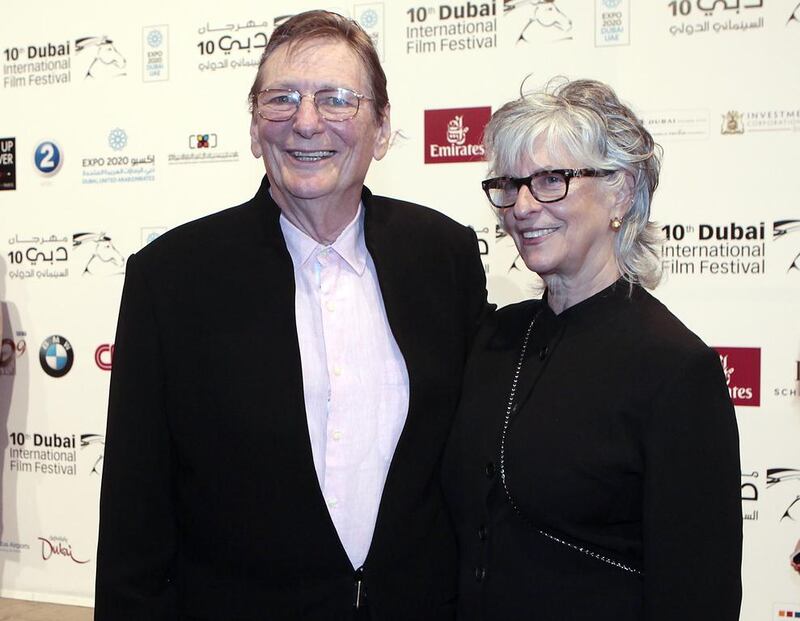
(47,157)
(56,356)
(117,139)
(154,38)
(369,18)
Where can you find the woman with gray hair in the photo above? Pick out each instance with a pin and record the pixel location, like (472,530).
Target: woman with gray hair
(593,467)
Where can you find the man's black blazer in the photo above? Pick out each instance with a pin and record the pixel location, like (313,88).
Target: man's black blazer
(210,504)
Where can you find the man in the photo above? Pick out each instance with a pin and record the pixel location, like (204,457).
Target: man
(299,480)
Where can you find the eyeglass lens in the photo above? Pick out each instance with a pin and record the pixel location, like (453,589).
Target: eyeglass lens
(335,104)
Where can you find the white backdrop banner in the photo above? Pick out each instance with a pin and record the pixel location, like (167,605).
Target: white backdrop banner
(120,121)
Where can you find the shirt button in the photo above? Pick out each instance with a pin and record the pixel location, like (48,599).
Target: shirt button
(480,574)
(543,352)
(489,470)
(482,532)
(337,435)
(330,305)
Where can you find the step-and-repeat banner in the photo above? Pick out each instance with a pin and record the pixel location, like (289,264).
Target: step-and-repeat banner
(120,121)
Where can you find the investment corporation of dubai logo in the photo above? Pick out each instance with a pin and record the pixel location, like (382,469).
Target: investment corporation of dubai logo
(455,134)
(732,123)
(56,356)
(742,367)
(8,164)
(48,158)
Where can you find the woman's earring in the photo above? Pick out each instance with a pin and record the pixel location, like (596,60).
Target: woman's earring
(616,223)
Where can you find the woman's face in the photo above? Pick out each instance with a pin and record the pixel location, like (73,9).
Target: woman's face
(570,239)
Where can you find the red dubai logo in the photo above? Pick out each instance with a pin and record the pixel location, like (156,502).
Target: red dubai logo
(58,546)
(742,367)
(455,135)
(104,356)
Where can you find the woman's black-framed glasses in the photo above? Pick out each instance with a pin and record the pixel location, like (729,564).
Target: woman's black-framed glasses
(333,104)
(546,186)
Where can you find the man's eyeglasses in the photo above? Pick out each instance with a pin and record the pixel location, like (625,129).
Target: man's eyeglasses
(333,104)
(546,186)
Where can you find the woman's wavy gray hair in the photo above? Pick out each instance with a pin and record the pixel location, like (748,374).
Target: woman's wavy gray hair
(586,118)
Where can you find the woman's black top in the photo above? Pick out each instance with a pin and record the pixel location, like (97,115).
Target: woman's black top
(623,442)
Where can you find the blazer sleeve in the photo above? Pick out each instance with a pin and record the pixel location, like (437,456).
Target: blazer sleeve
(137,538)
(692,498)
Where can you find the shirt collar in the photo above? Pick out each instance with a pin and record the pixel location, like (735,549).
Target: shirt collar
(350,245)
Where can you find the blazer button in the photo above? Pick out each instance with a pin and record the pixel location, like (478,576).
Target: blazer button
(480,574)
(543,352)
(489,470)
(482,532)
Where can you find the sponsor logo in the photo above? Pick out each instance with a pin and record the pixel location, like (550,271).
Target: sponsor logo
(750,495)
(13,547)
(451,28)
(202,150)
(8,164)
(714,249)
(47,158)
(742,367)
(455,134)
(370,18)
(94,445)
(791,498)
(535,21)
(10,350)
(677,124)
(117,167)
(97,254)
(787,611)
(149,233)
(482,235)
(735,122)
(104,356)
(780,231)
(99,58)
(56,356)
(612,23)
(59,547)
(787,391)
(155,53)
(794,18)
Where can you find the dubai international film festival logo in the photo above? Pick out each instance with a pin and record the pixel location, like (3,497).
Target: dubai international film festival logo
(455,134)
(537,20)
(742,367)
(8,164)
(56,356)
(98,255)
(732,123)
(100,57)
(780,230)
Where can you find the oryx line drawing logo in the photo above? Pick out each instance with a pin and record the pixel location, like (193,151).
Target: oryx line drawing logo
(97,253)
(106,61)
(538,19)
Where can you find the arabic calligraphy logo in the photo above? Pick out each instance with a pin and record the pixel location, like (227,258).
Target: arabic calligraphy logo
(538,16)
(780,228)
(117,139)
(104,259)
(456,132)
(107,61)
(56,356)
(732,123)
(47,158)
(155,38)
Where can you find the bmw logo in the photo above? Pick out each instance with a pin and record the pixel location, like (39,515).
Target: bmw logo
(47,157)
(56,356)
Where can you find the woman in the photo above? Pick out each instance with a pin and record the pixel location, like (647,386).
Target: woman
(593,467)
